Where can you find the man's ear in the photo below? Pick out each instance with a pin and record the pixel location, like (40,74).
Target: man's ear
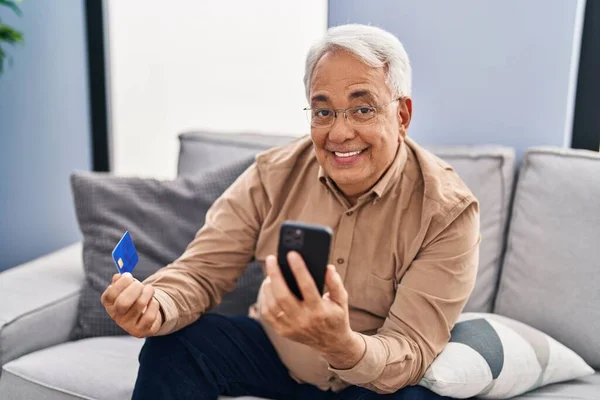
(405,112)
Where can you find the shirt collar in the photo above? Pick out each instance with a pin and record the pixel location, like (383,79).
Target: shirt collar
(385,182)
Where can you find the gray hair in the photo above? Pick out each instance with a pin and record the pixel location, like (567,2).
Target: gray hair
(374,46)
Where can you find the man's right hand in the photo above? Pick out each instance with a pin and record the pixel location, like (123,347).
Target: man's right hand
(132,306)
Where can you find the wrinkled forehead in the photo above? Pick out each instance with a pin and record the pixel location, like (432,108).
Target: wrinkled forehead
(363,95)
(342,75)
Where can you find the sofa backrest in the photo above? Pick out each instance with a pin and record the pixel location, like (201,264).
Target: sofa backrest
(487,170)
(199,151)
(551,274)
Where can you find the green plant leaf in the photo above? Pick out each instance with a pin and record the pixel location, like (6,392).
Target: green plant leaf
(9,35)
(12,5)
(2,56)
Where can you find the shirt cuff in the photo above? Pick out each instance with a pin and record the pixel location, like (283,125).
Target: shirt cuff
(370,366)
(169,310)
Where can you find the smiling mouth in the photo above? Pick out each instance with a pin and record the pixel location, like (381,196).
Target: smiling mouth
(347,154)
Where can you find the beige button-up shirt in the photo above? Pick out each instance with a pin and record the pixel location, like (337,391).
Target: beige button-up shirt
(407,253)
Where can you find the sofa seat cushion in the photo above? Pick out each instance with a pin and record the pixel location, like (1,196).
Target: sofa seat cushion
(95,368)
(587,388)
(106,368)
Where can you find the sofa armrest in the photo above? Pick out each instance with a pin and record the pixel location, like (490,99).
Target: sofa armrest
(38,302)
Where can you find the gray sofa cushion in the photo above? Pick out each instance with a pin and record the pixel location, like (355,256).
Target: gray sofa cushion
(200,150)
(587,388)
(487,170)
(550,278)
(41,293)
(96,368)
(106,368)
(162,217)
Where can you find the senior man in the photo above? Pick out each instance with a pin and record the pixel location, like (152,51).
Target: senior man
(404,253)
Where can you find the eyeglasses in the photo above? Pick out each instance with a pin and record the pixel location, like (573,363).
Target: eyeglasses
(356,116)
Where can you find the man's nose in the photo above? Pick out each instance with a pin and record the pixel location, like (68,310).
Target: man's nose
(341,130)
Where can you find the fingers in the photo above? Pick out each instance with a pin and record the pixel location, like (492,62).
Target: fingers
(269,308)
(147,320)
(335,286)
(132,305)
(305,281)
(281,293)
(114,290)
(128,297)
(144,299)
(139,306)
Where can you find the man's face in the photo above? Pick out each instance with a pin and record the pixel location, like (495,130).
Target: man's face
(339,81)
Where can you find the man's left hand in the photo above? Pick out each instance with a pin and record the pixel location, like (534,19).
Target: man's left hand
(320,322)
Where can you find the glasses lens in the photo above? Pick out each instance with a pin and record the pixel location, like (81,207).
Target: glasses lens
(322,117)
(362,115)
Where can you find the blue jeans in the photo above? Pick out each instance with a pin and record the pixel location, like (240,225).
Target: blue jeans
(231,356)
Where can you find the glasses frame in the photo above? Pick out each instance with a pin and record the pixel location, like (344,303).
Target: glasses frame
(337,111)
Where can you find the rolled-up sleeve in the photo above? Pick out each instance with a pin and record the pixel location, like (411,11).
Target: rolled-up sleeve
(429,299)
(214,260)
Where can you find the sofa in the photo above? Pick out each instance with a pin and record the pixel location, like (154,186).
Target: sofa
(539,264)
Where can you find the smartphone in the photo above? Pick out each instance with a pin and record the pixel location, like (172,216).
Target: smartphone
(312,242)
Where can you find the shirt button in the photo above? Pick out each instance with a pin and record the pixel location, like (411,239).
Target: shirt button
(349,213)
(340,260)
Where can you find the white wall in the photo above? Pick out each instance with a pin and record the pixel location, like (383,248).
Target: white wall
(485,71)
(227,65)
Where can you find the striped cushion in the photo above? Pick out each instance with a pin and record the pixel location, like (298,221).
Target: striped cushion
(494,357)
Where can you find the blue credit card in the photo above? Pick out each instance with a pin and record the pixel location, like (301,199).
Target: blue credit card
(125,255)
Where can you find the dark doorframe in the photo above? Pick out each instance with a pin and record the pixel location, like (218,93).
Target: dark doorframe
(94,18)
(586,122)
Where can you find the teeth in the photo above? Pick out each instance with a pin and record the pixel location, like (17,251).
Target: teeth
(352,153)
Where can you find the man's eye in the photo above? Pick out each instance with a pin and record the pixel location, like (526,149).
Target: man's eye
(322,113)
(364,110)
